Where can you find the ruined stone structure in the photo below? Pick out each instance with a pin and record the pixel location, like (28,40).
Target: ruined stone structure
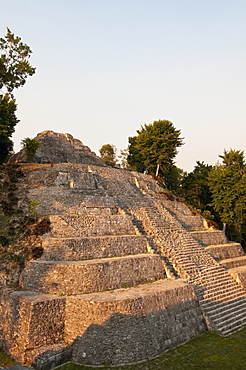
(125,273)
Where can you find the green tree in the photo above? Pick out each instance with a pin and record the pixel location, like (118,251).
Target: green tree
(8,122)
(14,64)
(195,189)
(30,146)
(14,70)
(154,148)
(227,183)
(123,159)
(173,179)
(108,154)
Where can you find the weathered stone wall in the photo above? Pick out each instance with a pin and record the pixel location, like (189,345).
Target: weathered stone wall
(74,249)
(90,225)
(9,316)
(132,329)
(209,237)
(117,326)
(233,262)
(239,274)
(225,251)
(191,222)
(79,277)
(176,208)
(29,320)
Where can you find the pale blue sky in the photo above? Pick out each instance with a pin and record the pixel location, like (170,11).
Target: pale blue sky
(104,67)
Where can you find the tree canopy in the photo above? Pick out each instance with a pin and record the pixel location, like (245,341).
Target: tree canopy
(195,189)
(14,70)
(227,183)
(154,148)
(8,121)
(14,64)
(108,154)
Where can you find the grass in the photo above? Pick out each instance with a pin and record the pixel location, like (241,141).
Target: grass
(209,351)
(5,359)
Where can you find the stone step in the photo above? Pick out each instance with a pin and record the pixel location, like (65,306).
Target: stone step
(220,294)
(215,271)
(228,309)
(73,249)
(232,329)
(210,282)
(224,285)
(232,324)
(214,282)
(223,298)
(236,293)
(214,307)
(68,226)
(233,262)
(78,277)
(225,251)
(213,291)
(228,317)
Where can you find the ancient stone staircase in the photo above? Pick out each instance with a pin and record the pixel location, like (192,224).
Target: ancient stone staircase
(222,299)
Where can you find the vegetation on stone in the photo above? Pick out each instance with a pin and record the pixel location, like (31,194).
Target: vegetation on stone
(6,360)
(30,146)
(19,228)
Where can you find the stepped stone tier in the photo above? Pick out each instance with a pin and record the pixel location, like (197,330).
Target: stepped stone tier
(125,273)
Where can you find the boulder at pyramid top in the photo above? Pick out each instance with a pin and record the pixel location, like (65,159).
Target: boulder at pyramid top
(59,148)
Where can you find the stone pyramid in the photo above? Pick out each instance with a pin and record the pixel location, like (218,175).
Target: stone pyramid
(125,273)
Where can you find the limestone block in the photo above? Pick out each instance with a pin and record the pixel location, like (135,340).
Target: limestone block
(191,222)
(239,274)
(74,249)
(209,237)
(233,262)
(224,251)
(96,275)
(90,225)
(130,325)
(30,320)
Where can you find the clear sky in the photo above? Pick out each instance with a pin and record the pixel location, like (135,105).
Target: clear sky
(105,67)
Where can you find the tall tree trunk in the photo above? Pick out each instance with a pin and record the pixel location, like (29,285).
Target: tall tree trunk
(157,170)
